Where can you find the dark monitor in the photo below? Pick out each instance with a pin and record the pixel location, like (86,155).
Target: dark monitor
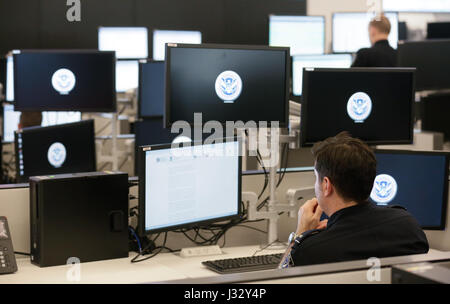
(435,109)
(3,75)
(373,104)
(438,30)
(64,80)
(67,148)
(150,132)
(402,31)
(151,89)
(179,187)
(417,181)
(431,60)
(227,83)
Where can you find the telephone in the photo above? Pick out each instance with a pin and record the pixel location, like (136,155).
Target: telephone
(7,258)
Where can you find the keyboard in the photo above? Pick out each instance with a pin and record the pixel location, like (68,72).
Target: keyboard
(244,264)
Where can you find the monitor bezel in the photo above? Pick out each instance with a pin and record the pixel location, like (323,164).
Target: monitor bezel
(304,104)
(24,178)
(445,193)
(304,16)
(140,86)
(112,109)
(353,13)
(141,205)
(282,124)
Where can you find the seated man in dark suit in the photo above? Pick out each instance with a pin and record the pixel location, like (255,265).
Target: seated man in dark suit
(381,54)
(345,170)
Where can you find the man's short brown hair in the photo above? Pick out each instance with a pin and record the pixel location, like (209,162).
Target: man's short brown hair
(381,23)
(349,164)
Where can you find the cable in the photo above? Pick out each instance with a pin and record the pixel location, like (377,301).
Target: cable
(135,260)
(285,157)
(136,237)
(261,249)
(22,253)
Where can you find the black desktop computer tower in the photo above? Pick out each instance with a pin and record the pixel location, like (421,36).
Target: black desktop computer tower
(80,215)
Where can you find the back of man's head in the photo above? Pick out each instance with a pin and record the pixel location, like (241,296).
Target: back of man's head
(382,24)
(348,163)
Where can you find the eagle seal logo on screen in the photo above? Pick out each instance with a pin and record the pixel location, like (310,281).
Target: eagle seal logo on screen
(63,81)
(384,189)
(228,86)
(359,107)
(57,154)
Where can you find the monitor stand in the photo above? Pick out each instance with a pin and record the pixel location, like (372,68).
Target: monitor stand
(274,208)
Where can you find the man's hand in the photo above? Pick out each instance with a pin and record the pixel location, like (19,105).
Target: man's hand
(309,217)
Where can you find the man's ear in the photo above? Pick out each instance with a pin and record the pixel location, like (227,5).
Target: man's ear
(327,187)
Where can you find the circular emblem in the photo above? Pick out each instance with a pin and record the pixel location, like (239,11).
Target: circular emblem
(228,86)
(57,154)
(359,107)
(384,189)
(63,81)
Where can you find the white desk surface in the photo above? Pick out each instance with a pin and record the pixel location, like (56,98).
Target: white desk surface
(163,267)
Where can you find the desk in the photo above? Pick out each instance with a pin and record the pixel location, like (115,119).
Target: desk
(163,267)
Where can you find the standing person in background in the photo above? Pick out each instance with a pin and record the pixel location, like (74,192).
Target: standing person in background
(381,54)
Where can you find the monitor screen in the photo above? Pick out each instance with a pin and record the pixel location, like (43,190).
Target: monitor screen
(305,35)
(127,75)
(127,42)
(67,148)
(227,83)
(9,79)
(11,120)
(315,61)
(375,105)
(417,181)
(161,37)
(430,6)
(351,31)
(71,80)
(431,60)
(180,187)
(151,89)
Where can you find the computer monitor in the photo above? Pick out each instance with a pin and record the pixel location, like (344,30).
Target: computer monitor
(227,83)
(11,120)
(316,61)
(127,42)
(151,89)
(150,132)
(9,96)
(305,35)
(68,148)
(64,80)
(351,31)
(127,75)
(417,181)
(161,37)
(429,6)
(402,31)
(375,105)
(438,30)
(431,60)
(181,188)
